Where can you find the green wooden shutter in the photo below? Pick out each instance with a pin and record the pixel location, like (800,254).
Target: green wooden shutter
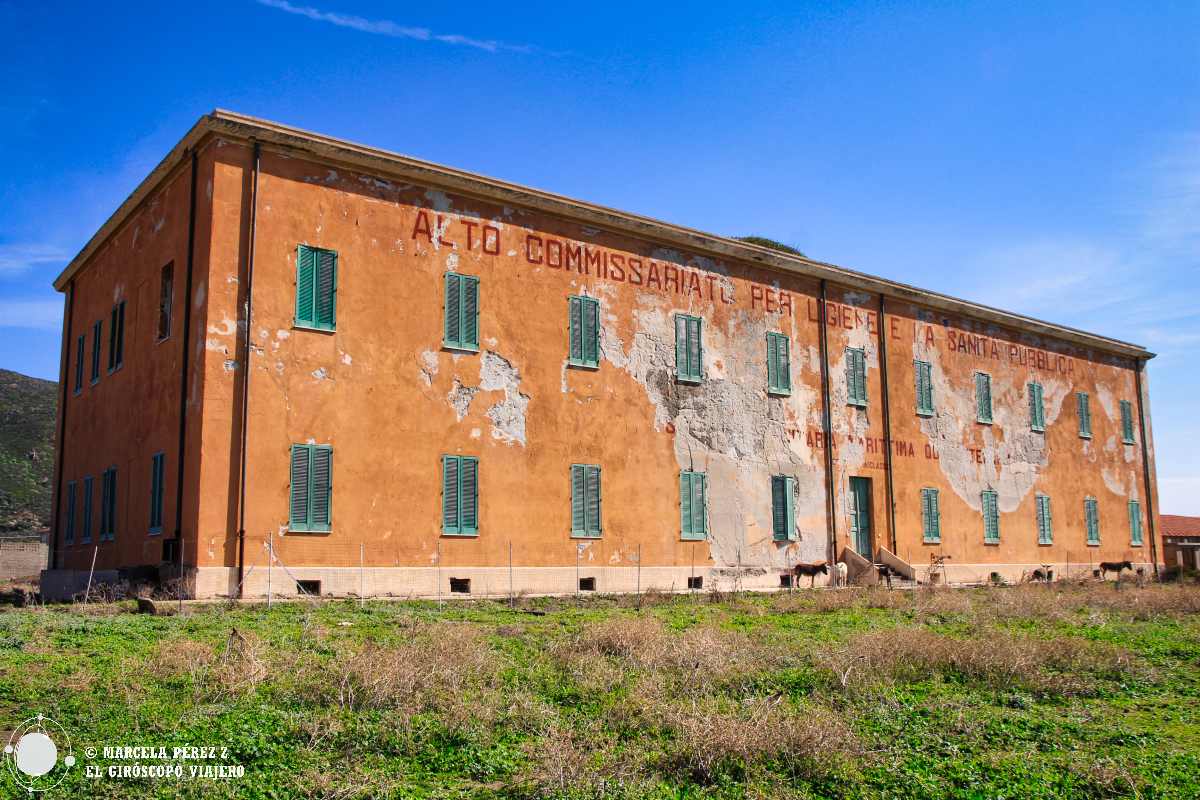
(450,502)
(779,518)
(689,348)
(681,347)
(321,488)
(852,509)
(79,350)
(856,376)
(1044,521)
(1084,411)
(692,500)
(983,397)
(1037,409)
(97,333)
(695,348)
(1126,422)
(789,494)
(591,332)
(111,504)
(779,364)
(772,362)
(326,290)
(991,516)
(575,330)
(453,310)
(578,499)
(592,507)
(298,513)
(468,493)
(70,534)
(923,373)
(930,516)
(1091,517)
(112,340)
(1135,523)
(156,492)
(470,312)
(306,281)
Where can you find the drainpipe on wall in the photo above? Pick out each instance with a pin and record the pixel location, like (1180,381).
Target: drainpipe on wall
(827,428)
(887,421)
(64,375)
(1137,376)
(185,362)
(245,422)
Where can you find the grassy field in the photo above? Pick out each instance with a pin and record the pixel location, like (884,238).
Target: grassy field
(1021,692)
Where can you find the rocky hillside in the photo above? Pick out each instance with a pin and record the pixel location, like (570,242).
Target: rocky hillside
(27,420)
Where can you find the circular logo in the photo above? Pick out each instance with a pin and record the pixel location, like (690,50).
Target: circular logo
(33,756)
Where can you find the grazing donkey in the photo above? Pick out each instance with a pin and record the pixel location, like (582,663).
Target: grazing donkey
(811,570)
(1113,566)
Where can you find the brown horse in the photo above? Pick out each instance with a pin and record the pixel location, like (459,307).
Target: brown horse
(811,571)
(1113,566)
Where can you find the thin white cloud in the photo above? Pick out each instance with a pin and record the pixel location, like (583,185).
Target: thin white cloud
(384,27)
(19,258)
(37,314)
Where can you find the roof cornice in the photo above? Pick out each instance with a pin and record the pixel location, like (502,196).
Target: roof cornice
(230,125)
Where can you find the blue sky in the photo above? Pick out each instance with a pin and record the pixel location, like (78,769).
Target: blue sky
(1040,157)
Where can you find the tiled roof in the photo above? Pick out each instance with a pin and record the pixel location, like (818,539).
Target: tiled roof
(1175,525)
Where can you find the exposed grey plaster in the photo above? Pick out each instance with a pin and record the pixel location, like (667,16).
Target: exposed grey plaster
(508,416)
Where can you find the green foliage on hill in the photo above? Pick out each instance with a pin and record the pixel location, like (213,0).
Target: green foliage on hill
(763,241)
(27,418)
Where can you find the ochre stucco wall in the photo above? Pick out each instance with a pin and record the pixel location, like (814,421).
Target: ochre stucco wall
(390,399)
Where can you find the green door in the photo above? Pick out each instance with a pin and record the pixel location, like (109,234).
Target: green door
(860,516)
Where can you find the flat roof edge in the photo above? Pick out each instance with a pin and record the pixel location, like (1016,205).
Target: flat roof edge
(238,126)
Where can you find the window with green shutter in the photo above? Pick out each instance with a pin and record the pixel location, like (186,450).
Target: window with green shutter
(1083,410)
(79,350)
(1091,518)
(316,288)
(584,331)
(779,363)
(1037,408)
(97,332)
(157,463)
(693,504)
(312,488)
(923,375)
(689,348)
(461,312)
(991,516)
(460,495)
(585,500)
(70,533)
(856,376)
(783,508)
(983,397)
(1045,523)
(931,519)
(116,337)
(1135,523)
(85,530)
(1126,422)
(108,505)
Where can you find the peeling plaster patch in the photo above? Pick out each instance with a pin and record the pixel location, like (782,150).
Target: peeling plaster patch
(508,416)
(215,345)
(346,359)
(476,433)
(512,253)
(460,398)
(231,278)
(452,261)
(429,366)
(282,334)
(321,374)
(279,367)
(440,201)
(199,301)
(158,224)
(490,341)
(226,328)
(230,365)
(1116,483)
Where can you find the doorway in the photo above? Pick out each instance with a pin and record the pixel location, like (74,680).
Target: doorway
(860,517)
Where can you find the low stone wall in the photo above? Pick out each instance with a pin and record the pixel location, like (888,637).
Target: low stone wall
(22,558)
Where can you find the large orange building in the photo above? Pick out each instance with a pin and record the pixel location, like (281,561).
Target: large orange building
(404,379)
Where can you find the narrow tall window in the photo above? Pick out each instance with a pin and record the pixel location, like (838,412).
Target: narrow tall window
(156,492)
(584,331)
(1037,408)
(689,348)
(983,397)
(85,530)
(779,363)
(585,500)
(70,533)
(1045,523)
(931,518)
(462,312)
(166,297)
(991,516)
(1135,523)
(460,495)
(116,337)
(108,506)
(97,332)
(316,288)
(783,508)
(1126,422)
(310,498)
(693,504)
(924,384)
(1083,410)
(856,376)
(79,348)
(1091,518)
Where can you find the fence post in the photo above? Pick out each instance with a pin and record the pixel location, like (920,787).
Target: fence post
(87,594)
(639,576)
(362,552)
(512,597)
(270,563)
